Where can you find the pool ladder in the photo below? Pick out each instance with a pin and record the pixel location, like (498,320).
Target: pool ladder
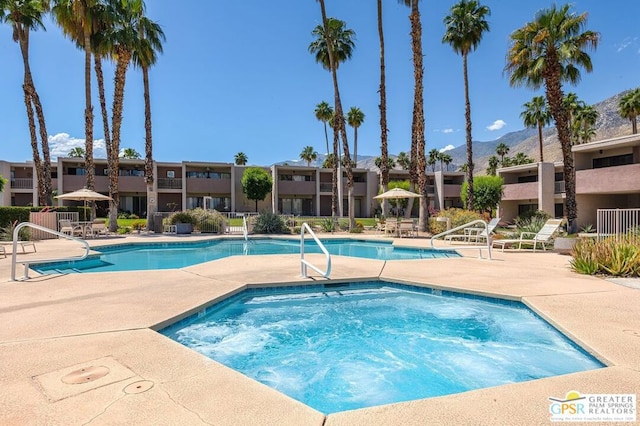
(26,263)
(478,247)
(305,263)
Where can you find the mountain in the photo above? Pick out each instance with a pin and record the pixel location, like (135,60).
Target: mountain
(608,125)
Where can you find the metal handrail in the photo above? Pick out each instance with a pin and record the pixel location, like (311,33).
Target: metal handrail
(303,262)
(26,263)
(475,247)
(245,230)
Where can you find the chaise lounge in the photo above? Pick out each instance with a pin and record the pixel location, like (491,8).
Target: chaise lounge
(543,237)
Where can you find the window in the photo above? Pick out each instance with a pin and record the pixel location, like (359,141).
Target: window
(171,174)
(616,160)
(523,208)
(528,178)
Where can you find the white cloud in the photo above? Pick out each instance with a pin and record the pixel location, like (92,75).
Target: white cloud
(628,41)
(61,143)
(497,125)
(447,148)
(447,131)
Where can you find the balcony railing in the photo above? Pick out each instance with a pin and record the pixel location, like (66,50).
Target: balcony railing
(22,183)
(559,187)
(169,183)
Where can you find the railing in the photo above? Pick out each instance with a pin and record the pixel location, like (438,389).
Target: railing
(245,230)
(559,187)
(22,183)
(26,263)
(169,183)
(304,263)
(617,222)
(463,247)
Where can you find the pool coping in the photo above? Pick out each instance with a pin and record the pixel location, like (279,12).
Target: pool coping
(47,329)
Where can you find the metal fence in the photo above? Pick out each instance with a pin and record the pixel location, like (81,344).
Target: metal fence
(617,222)
(49,220)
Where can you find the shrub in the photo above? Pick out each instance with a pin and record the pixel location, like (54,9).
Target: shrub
(140,225)
(208,220)
(6,232)
(529,214)
(532,225)
(611,256)
(270,223)
(181,217)
(457,216)
(328,224)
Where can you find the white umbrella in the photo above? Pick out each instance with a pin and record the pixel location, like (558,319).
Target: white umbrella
(85,195)
(397,194)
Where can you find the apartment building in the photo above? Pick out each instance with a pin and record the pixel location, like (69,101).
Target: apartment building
(607,176)
(297,190)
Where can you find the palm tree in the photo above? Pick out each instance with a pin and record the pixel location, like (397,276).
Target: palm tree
(308,155)
(446,159)
(335,44)
(417,170)
(130,154)
(144,57)
(355,118)
(492,165)
(502,149)
(390,163)
(434,155)
(548,51)
(76,152)
(323,113)
(535,114)
(403,160)
(384,148)
(24,16)
(584,120)
(629,108)
(465,27)
(521,158)
(76,18)
(240,159)
(121,37)
(328,161)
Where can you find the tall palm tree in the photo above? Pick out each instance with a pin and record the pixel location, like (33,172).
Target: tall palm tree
(24,16)
(324,112)
(403,160)
(549,51)
(521,158)
(417,170)
(355,118)
(76,18)
(464,29)
(240,158)
(502,149)
(130,154)
(308,154)
(629,108)
(535,114)
(384,147)
(335,44)
(446,159)
(583,125)
(77,152)
(434,154)
(144,57)
(492,165)
(121,37)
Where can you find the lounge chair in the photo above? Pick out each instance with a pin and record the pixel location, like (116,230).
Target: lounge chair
(476,235)
(22,245)
(99,227)
(543,237)
(408,228)
(66,227)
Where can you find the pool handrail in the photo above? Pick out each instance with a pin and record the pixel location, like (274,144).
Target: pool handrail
(27,262)
(303,262)
(245,230)
(475,247)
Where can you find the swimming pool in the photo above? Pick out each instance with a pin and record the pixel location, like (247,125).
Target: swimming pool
(131,257)
(339,347)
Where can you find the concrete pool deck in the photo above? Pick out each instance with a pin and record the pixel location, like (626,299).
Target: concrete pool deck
(80,348)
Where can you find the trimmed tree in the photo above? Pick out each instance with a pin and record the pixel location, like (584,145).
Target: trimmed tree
(487,192)
(256,184)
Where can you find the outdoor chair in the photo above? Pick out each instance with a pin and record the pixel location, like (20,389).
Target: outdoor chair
(99,227)
(22,245)
(408,228)
(475,235)
(543,237)
(66,227)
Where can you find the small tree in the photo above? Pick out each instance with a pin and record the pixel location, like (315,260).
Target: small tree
(256,184)
(2,182)
(487,192)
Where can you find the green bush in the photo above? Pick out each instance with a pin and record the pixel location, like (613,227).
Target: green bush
(531,225)
(6,232)
(328,224)
(269,223)
(618,257)
(208,220)
(457,216)
(182,217)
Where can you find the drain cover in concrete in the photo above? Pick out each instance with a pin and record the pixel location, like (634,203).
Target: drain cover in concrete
(74,380)
(138,387)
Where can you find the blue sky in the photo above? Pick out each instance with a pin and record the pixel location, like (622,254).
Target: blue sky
(237,76)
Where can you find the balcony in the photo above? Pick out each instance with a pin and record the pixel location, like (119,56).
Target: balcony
(208,186)
(169,183)
(520,191)
(297,188)
(615,179)
(22,183)
(452,190)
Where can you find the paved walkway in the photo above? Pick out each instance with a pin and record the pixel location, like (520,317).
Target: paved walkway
(80,349)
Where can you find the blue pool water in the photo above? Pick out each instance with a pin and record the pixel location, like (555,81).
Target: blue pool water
(130,257)
(339,348)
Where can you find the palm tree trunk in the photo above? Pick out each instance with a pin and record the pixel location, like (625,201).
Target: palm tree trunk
(634,125)
(148,150)
(418,115)
(44,142)
(114,161)
(467,116)
(88,119)
(326,137)
(103,103)
(540,140)
(384,154)
(37,163)
(355,146)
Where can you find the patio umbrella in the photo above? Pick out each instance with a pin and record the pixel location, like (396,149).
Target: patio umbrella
(83,194)
(397,194)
